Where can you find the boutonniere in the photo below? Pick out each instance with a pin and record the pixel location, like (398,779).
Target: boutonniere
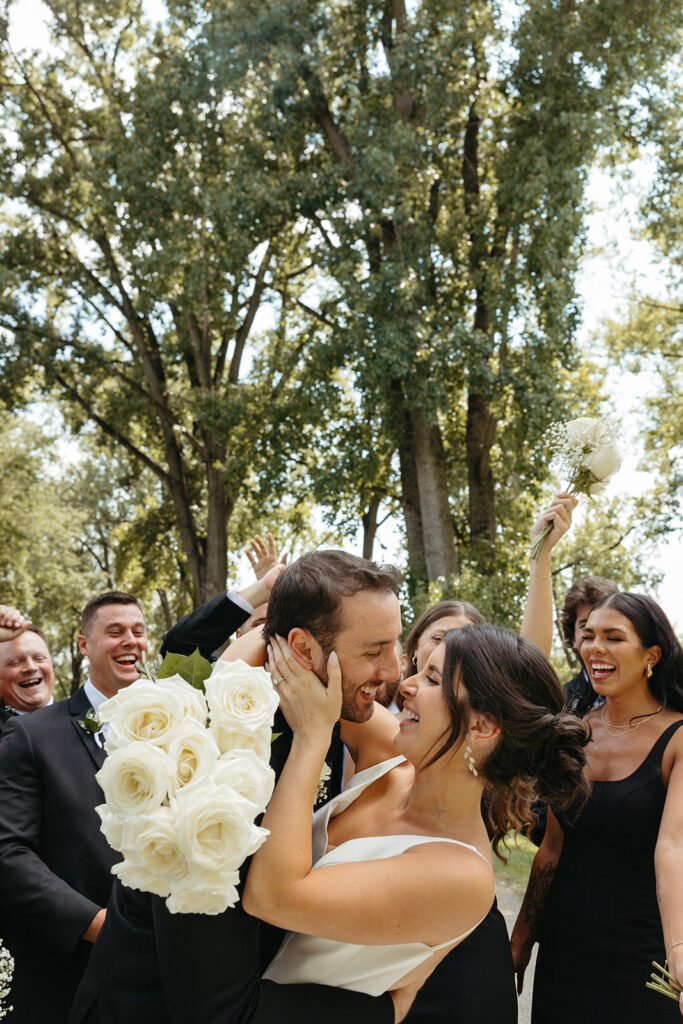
(91,722)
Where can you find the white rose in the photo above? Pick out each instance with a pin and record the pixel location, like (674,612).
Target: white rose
(136,779)
(194,753)
(603,462)
(245,772)
(207,893)
(241,694)
(585,431)
(135,877)
(111,827)
(151,843)
(141,711)
(194,701)
(228,738)
(215,827)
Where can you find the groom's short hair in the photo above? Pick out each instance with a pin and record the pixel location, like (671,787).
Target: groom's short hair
(308,593)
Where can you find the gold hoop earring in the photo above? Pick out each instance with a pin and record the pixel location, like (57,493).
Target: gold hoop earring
(414,660)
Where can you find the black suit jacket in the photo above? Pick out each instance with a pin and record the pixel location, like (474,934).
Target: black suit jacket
(55,864)
(5,716)
(206,628)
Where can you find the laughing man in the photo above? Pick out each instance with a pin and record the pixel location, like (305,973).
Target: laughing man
(55,864)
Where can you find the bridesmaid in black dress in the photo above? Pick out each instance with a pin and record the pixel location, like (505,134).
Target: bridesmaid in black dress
(605,895)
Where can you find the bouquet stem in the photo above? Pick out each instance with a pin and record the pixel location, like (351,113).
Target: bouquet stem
(535,549)
(664,982)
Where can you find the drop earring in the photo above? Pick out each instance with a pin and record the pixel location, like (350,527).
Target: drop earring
(648,671)
(469,756)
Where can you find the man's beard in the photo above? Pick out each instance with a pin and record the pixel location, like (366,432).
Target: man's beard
(350,711)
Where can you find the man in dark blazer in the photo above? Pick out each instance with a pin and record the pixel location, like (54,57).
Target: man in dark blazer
(55,864)
(124,982)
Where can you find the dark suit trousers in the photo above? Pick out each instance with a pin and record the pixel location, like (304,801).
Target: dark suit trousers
(201,969)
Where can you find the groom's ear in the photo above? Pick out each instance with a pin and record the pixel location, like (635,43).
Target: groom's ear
(304,647)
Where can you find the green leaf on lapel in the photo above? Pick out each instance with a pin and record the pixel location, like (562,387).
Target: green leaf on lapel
(91,722)
(192,667)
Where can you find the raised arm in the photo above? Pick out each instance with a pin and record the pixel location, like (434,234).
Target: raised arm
(527,927)
(537,624)
(669,864)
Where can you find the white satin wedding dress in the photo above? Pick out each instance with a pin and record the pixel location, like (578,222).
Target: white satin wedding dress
(369,969)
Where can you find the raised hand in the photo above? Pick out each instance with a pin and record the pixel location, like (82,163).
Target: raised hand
(559,516)
(12,623)
(310,706)
(264,556)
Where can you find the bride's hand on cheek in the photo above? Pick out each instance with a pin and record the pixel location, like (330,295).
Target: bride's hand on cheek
(310,707)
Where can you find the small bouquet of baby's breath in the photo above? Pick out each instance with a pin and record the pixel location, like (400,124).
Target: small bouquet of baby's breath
(6,975)
(586,451)
(664,982)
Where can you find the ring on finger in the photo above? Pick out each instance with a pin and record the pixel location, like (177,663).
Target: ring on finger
(280,679)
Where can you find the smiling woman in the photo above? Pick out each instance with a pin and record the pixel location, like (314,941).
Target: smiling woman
(612,874)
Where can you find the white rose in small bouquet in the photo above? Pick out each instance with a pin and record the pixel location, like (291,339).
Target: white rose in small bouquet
(215,826)
(143,711)
(586,448)
(246,773)
(241,696)
(194,753)
(229,738)
(193,700)
(136,779)
(208,893)
(151,843)
(132,875)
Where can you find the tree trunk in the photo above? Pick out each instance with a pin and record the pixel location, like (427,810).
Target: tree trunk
(369,520)
(410,501)
(480,436)
(438,538)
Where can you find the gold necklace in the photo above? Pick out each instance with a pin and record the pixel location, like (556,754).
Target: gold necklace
(620,728)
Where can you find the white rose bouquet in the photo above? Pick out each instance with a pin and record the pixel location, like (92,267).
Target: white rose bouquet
(6,975)
(586,449)
(186,774)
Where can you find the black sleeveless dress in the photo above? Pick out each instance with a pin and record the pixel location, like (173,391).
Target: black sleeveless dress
(601,928)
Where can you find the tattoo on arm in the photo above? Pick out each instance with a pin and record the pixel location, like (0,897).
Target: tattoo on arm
(537,896)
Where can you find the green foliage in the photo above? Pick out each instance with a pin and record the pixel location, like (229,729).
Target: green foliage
(194,669)
(305,254)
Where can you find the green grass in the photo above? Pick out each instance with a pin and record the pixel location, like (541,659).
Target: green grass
(515,873)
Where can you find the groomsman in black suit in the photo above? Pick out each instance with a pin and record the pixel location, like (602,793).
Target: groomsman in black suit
(324,598)
(55,864)
(26,672)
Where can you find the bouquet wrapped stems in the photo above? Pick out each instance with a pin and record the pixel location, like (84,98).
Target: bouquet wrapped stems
(664,982)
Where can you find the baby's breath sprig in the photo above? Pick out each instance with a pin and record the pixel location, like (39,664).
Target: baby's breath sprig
(586,452)
(664,982)
(6,975)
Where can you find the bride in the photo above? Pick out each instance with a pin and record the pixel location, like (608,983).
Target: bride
(399,871)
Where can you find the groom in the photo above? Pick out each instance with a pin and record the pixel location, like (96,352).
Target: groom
(325,600)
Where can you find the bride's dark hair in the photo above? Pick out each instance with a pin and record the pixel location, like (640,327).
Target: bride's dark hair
(540,749)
